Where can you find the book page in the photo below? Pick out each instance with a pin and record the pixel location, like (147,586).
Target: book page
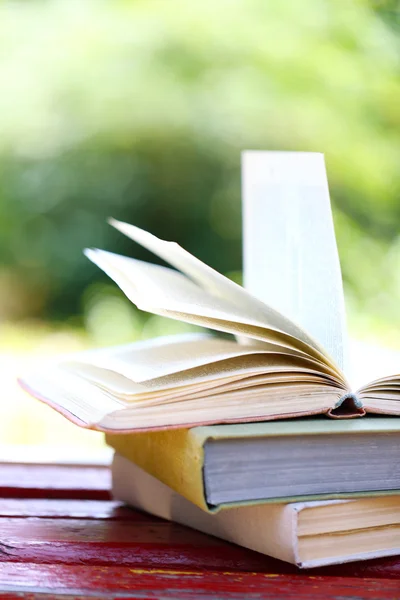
(291,260)
(142,369)
(215,284)
(155,359)
(166,292)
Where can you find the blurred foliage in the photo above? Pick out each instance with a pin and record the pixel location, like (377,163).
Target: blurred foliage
(139,109)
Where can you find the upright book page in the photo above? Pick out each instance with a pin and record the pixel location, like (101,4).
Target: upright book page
(291,260)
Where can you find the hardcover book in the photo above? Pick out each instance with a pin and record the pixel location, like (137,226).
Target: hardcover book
(223,466)
(308,534)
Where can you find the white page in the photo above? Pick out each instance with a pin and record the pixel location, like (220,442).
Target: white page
(212,282)
(291,260)
(166,292)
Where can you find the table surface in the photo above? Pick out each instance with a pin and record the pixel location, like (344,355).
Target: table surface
(61,536)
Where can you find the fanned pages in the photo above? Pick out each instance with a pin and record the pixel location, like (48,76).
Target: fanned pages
(276,370)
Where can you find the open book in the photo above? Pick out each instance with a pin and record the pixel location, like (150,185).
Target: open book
(271,369)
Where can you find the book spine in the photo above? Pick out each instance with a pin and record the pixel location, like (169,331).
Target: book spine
(348,406)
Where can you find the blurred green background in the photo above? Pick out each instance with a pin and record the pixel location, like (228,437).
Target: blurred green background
(139,109)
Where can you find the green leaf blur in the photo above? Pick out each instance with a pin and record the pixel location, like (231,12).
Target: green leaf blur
(139,110)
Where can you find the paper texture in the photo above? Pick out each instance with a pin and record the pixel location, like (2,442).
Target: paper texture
(291,260)
(197,290)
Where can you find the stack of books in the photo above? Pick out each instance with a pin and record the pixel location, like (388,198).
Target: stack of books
(256,437)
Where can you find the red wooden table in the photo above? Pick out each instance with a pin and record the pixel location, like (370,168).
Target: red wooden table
(61,536)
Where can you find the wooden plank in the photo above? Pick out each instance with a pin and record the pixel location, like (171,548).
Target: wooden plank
(68,509)
(101,531)
(142,556)
(105,533)
(385,568)
(52,596)
(51,546)
(52,481)
(43,544)
(119,582)
(152,556)
(138,541)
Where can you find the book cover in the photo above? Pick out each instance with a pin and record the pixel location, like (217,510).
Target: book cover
(177,457)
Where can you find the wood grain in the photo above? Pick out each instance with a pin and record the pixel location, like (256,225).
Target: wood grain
(51,481)
(107,533)
(167,583)
(96,548)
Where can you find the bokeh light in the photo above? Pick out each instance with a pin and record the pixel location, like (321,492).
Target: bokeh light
(139,109)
